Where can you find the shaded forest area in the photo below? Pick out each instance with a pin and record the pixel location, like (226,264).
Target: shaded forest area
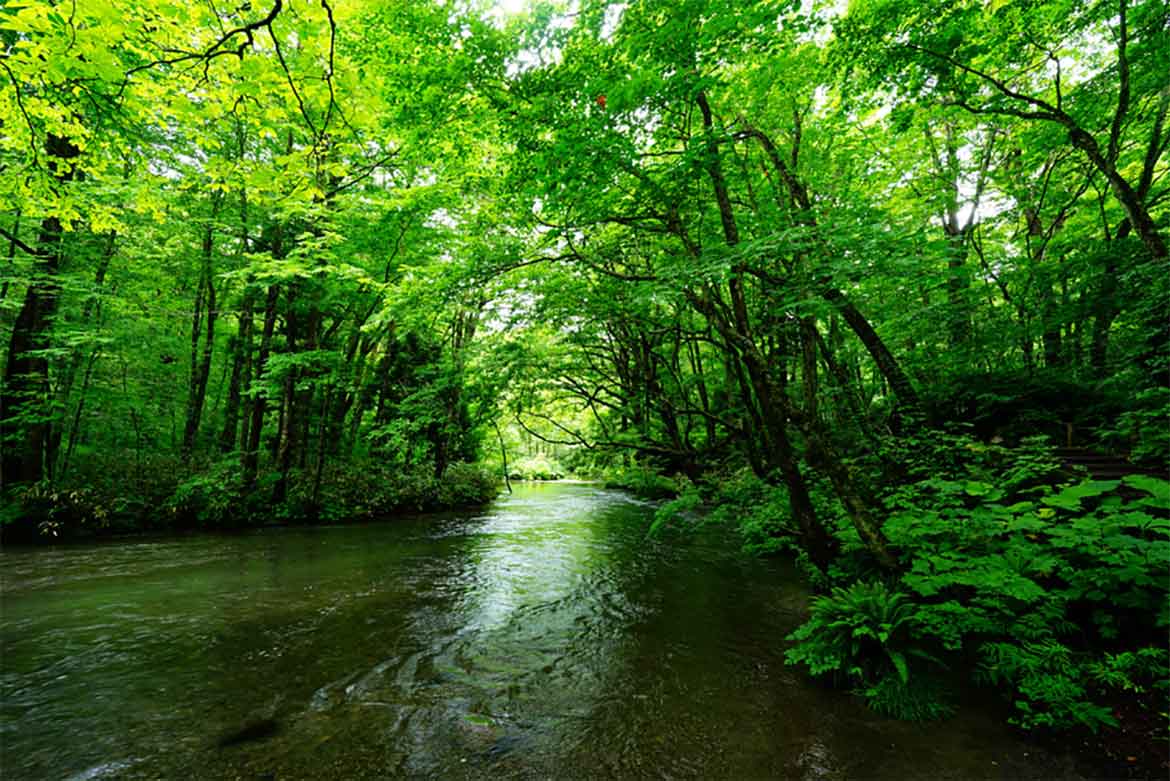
(882,284)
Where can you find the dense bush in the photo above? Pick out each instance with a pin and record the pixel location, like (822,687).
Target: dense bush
(127,493)
(467,484)
(44,510)
(1054,593)
(214,496)
(369,489)
(758,509)
(1143,430)
(642,480)
(1012,405)
(1051,589)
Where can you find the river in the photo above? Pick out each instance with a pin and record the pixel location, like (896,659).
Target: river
(544,636)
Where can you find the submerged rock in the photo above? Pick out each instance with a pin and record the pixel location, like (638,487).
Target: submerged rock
(261,729)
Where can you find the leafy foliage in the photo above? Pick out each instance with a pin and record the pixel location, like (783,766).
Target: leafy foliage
(1059,591)
(642,480)
(870,636)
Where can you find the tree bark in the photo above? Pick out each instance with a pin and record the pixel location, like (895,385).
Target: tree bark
(201,364)
(287,437)
(259,402)
(13,243)
(820,546)
(1130,201)
(241,353)
(503,455)
(24,420)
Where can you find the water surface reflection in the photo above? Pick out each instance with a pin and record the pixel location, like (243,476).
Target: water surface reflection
(545,637)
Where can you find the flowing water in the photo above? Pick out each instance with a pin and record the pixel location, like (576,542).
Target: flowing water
(543,637)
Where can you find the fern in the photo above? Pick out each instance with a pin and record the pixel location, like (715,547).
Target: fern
(922,699)
(866,634)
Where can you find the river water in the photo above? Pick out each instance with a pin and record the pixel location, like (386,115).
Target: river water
(542,637)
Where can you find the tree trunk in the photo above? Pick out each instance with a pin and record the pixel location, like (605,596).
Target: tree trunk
(26,373)
(1053,346)
(503,455)
(1104,313)
(241,346)
(820,546)
(695,352)
(13,242)
(1129,198)
(201,364)
(886,362)
(241,353)
(259,402)
(75,428)
(319,466)
(287,433)
(958,314)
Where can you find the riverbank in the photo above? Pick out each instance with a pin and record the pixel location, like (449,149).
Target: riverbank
(169,496)
(1012,576)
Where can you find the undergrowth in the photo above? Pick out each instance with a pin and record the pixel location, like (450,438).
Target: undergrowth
(1012,575)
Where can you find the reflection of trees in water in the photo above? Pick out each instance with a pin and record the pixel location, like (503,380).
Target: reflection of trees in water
(546,636)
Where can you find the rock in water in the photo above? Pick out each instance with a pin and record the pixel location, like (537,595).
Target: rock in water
(261,729)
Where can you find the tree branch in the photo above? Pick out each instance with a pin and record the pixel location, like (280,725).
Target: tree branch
(16,242)
(1049,111)
(216,49)
(1122,87)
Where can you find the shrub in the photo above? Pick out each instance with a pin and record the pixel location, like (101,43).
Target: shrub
(467,484)
(759,510)
(684,506)
(1010,578)
(867,635)
(643,481)
(1054,591)
(211,498)
(1143,430)
(41,509)
(213,495)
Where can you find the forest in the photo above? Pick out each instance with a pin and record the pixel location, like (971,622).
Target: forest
(881,286)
